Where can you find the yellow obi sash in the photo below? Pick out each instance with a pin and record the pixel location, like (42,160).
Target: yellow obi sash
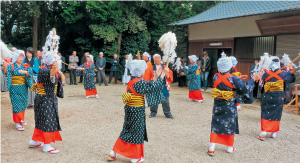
(17,80)
(41,89)
(216,93)
(274,86)
(133,100)
(237,74)
(197,72)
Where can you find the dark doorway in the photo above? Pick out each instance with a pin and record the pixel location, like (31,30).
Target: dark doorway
(215,54)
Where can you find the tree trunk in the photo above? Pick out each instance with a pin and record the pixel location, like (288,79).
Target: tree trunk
(120,41)
(35,35)
(43,24)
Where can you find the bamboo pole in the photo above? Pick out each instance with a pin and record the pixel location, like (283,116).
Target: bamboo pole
(169,54)
(296,58)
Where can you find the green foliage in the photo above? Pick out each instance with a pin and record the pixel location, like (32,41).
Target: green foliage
(96,25)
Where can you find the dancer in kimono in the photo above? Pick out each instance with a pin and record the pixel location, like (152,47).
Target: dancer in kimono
(273,97)
(131,140)
(235,72)
(19,79)
(89,73)
(193,75)
(34,64)
(47,124)
(126,76)
(224,123)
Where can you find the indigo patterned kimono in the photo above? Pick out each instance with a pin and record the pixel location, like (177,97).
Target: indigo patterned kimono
(17,85)
(131,140)
(193,75)
(273,99)
(224,123)
(47,124)
(89,81)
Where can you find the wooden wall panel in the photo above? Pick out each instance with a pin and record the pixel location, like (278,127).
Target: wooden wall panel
(277,26)
(289,44)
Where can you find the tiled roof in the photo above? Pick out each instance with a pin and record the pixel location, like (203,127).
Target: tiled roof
(239,9)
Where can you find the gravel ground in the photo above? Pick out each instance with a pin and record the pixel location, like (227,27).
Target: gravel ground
(90,128)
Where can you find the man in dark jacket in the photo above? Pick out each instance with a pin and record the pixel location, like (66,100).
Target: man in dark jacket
(100,65)
(114,68)
(205,66)
(82,61)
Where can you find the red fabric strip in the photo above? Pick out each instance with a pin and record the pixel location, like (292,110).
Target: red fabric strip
(90,92)
(270,126)
(46,137)
(18,117)
(222,139)
(129,150)
(196,95)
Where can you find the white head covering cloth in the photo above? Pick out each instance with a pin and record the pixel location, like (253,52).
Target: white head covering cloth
(193,57)
(234,61)
(91,57)
(275,64)
(224,64)
(137,67)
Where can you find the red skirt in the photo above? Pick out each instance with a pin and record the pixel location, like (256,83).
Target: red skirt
(18,117)
(90,92)
(270,126)
(46,137)
(129,150)
(222,139)
(196,95)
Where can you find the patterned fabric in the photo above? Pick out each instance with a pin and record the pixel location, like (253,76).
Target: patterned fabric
(193,76)
(89,81)
(18,93)
(272,102)
(274,86)
(136,100)
(134,127)
(46,106)
(216,93)
(126,97)
(225,118)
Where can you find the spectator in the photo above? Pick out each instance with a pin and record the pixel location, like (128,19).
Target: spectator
(205,66)
(114,68)
(82,61)
(73,60)
(100,65)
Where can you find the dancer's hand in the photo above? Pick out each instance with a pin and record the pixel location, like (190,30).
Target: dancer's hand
(256,77)
(289,66)
(186,67)
(23,72)
(5,64)
(243,77)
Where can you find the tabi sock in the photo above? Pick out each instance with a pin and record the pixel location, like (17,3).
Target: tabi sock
(263,133)
(47,147)
(18,125)
(134,160)
(273,134)
(229,149)
(112,153)
(212,146)
(32,142)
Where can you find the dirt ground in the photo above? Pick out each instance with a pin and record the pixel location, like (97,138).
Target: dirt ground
(90,128)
